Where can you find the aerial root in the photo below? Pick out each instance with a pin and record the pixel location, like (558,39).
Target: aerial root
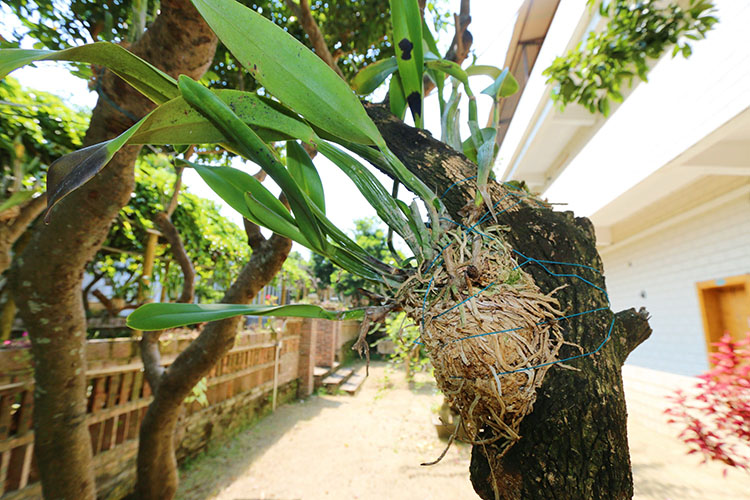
(450,442)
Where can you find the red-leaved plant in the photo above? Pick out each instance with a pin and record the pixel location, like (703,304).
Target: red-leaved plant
(715,420)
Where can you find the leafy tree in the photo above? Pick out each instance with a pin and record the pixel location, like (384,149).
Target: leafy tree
(217,248)
(637,32)
(35,129)
(371,237)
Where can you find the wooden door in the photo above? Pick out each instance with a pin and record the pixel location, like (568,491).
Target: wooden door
(725,307)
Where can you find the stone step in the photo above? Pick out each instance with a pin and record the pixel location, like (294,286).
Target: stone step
(354,384)
(321,372)
(337,378)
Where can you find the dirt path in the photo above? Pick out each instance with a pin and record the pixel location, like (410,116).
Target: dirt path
(366,447)
(370,447)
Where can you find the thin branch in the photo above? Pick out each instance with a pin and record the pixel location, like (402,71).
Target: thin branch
(177,248)
(306,20)
(462,40)
(254,238)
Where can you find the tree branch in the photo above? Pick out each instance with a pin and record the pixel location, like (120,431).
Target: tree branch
(307,21)
(170,233)
(254,237)
(461,43)
(11,230)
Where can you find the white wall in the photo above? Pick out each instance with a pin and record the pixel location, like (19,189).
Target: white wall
(666,266)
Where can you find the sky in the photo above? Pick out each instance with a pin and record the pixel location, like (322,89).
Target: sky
(585,185)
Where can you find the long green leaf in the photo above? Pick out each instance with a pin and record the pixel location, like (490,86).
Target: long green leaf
(485,70)
(269,219)
(150,81)
(249,145)
(176,122)
(342,242)
(396,97)
(373,75)
(290,71)
(231,185)
(449,121)
(407,35)
(161,316)
(303,171)
(374,192)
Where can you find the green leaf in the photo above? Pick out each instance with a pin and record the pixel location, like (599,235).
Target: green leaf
(449,122)
(231,185)
(485,70)
(374,192)
(164,315)
(68,173)
(468,147)
(504,85)
(396,97)
(249,145)
(289,70)
(269,219)
(603,106)
(150,81)
(16,199)
(176,122)
(407,41)
(429,39)
(303,171)
(373,75)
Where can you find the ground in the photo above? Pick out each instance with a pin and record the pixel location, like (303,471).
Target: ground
(370,447)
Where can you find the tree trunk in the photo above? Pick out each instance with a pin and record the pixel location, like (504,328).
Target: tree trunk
(48,275)
(574,443)
(157,465)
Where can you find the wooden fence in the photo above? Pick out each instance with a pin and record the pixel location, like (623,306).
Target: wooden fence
(118,397)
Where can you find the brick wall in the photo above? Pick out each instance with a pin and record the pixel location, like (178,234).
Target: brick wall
(326,342)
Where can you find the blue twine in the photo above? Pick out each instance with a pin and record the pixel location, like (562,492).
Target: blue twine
(528,260)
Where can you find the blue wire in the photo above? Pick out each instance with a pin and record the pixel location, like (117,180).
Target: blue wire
(528,260)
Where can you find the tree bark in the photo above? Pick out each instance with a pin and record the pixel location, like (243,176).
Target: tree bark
(48,275)
(157,465)
(574,444)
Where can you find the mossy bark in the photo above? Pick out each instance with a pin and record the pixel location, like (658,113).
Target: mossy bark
(47,276)
(574,443)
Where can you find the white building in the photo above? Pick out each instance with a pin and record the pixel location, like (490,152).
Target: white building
(665,180)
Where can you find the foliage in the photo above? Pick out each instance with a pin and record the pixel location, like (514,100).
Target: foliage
(636,32)
(320,97)
(198,393)
(295,274)
(323,270)
(404,333)
(217,247)
(36,128)
(370,235)
(716,421)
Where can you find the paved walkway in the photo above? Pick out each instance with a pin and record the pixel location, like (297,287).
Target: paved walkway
(370,447)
